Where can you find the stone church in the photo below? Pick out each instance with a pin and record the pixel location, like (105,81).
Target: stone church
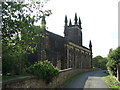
(68,51)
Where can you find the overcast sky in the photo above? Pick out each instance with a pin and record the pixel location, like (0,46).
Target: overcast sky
(99,21)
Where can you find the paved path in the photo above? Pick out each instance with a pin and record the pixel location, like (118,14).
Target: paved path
(89,80)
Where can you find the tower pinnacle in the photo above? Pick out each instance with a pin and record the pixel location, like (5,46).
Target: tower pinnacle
(76,19)
(90,45)
(43,20)
(66,21)
(70,23)
(80,23)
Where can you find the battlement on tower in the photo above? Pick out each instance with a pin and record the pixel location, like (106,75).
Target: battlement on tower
(73,33)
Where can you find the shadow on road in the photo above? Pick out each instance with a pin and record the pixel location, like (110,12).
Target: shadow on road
(100,73)
(80,81)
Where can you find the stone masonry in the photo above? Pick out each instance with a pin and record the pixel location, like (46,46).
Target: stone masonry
(68,51)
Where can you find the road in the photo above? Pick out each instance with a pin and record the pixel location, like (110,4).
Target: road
(89,80)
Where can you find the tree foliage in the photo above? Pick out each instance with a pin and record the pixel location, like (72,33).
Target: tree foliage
(18,25)
(99,62)
(113,60)
(19,35)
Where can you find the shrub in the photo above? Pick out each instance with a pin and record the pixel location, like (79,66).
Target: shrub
(113,60)
(44,70)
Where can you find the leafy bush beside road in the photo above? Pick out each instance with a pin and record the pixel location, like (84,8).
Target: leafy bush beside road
(44,70)
(113,60)
(111,82)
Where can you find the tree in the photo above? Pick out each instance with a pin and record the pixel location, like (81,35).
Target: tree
(113,60)
(19,35)
(99,62)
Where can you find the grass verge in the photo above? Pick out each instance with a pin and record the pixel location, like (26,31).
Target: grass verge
(71,79)
(111,82)
(14,76)
(68,81)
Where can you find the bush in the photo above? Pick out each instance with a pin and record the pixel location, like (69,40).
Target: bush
(44,70)
(113,60)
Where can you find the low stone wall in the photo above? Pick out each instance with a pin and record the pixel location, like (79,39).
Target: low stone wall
(34,82)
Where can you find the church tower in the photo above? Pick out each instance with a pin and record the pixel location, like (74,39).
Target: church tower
(73,33)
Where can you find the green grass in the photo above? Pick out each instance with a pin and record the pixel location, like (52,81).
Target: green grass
(14,76)
(71,79)
(111,82)
(74,77)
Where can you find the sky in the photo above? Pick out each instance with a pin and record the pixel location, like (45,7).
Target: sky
(99,21)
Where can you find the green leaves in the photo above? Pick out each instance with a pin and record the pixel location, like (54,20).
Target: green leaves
(19,35)
(18,28)
(44,70)
(99,62)
(115,54)
(113,60)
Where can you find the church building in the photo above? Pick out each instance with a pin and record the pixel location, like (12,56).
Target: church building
(68,51)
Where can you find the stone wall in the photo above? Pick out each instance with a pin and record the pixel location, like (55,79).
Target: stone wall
(74,34)
(54,47)
(78,56)
(34,82)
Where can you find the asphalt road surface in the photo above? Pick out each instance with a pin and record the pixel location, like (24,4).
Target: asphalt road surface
(89,80)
